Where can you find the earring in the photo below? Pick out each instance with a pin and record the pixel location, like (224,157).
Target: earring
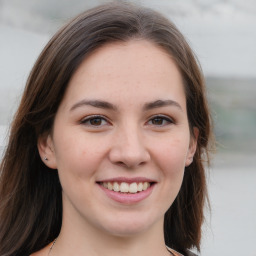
(45,158)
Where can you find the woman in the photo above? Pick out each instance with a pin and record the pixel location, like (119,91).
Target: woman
(106,150)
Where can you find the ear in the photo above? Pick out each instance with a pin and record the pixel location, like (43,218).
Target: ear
(46,150)
(192,146)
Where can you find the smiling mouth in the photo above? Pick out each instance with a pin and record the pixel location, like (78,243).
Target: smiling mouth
(124,187)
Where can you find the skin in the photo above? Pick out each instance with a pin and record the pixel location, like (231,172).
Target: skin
(132,139)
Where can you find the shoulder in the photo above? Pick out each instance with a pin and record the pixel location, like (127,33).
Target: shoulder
(187,253)
(173,252)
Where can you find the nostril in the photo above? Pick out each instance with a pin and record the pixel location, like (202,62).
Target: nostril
(129,165)
(120,163)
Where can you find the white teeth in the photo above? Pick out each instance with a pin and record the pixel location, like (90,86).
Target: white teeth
(140,186)
(133,188)
(145,185)
(110,186)
(125,187)
(116,187)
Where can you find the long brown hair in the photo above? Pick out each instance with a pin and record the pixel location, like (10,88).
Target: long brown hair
(30,192)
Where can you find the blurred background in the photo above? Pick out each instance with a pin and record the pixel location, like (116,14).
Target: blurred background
(223,36)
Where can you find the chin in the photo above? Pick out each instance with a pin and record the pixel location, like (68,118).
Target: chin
(130,226)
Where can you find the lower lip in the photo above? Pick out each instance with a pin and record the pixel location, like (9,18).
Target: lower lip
(128,198)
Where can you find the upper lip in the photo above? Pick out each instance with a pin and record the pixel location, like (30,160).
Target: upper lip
(128,180)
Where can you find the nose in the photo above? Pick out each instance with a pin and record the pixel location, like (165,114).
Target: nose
(128,148)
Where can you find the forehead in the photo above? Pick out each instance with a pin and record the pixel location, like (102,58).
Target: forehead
(136,52)
(124,68)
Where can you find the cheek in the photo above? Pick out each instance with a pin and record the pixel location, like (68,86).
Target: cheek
(78,155)
(173,156)
(171,162)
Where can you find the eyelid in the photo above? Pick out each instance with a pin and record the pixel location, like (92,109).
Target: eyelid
(164,117)
(91,117)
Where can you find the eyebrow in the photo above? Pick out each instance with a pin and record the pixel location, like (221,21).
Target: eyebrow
(107,105)
(161,103)
(94,103)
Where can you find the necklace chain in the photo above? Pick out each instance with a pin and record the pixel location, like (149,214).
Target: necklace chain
(53,243)
(52,246)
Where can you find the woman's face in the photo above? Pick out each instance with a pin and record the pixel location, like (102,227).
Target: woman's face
(121,139)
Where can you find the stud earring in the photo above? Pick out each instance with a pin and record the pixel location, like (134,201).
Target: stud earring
(45,158)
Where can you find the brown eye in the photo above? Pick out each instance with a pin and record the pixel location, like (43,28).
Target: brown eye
(160,121)
(157,121)
(94,121)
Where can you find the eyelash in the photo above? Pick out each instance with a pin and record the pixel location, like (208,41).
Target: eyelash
(87,121)
(162,118)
